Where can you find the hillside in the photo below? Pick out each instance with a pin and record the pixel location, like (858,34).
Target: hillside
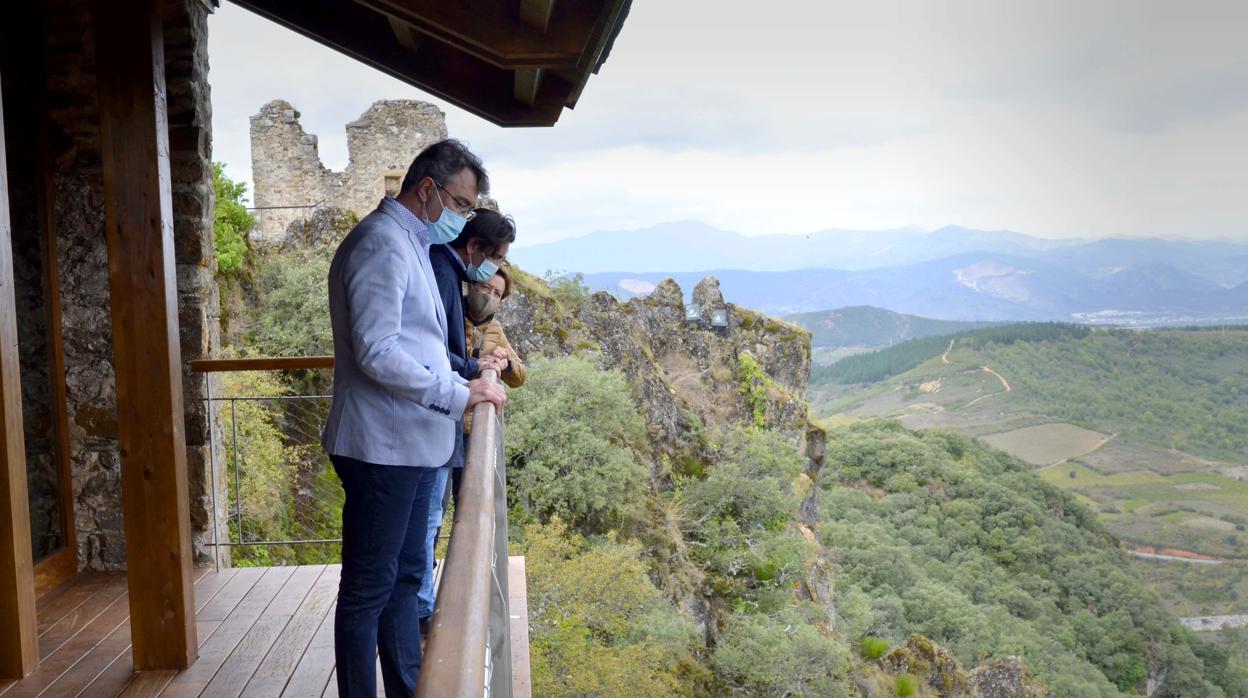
(805,561)
(689,531)
(1150,429)
(843,332)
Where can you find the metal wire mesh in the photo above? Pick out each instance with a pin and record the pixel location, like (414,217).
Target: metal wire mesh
(282,498)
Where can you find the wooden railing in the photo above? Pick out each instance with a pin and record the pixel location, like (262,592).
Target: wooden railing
(468,652)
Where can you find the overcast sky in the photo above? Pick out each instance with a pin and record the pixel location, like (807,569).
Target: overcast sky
(1058,119)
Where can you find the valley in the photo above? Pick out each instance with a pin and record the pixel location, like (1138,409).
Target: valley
(1147,428)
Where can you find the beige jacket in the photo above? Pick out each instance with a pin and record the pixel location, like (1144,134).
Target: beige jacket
(481,340)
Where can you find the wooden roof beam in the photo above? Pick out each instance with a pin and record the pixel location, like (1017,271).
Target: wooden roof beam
(462,79)
(492,31)
(536,13)
(404,33)
(528,81)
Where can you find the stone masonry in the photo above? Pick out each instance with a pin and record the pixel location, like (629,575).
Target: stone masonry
(289,178)
(68,88)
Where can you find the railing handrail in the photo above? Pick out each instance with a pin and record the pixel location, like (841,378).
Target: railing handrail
(262,363)
(455,659)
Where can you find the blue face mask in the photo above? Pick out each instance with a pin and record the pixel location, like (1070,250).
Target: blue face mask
(483,271)
(448,226)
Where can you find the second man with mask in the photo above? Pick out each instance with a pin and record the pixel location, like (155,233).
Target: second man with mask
(472,257)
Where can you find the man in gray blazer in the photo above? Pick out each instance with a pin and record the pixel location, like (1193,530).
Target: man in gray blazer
(393,420)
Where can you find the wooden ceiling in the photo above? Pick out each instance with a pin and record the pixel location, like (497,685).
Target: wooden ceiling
(511,62)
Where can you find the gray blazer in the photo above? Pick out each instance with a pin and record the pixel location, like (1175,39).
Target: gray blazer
(396,400)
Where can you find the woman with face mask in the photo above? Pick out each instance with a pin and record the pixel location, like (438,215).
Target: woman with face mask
(484,333)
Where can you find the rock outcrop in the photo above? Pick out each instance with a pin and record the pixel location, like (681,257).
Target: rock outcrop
(686,374)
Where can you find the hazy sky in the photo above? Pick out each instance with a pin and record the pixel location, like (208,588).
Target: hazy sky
(1058,119)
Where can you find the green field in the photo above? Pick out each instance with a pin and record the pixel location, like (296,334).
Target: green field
(1046,444)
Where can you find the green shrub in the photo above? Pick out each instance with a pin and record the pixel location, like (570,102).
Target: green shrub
(569,432)
(231,222)
(598,626)
(906,685)
(872,648)
(753,387)
(779,656)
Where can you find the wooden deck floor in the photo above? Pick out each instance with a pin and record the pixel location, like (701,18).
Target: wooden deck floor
(262,632)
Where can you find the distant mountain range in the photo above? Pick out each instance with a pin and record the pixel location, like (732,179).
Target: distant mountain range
(949,274)
(694,246)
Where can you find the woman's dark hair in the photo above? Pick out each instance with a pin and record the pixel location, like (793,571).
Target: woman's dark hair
(442,161)
(490,229)
(506,281)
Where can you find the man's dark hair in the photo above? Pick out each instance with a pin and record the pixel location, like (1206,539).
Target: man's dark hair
(490,229)
(442,161)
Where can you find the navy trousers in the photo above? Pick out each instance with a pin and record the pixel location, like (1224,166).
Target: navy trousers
(385,521)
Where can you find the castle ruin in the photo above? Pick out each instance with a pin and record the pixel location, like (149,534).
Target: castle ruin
(289,180)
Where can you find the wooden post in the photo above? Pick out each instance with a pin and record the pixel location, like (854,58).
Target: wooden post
(19,643)
(138,221)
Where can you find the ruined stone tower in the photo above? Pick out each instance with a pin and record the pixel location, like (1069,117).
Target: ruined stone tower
(289,179)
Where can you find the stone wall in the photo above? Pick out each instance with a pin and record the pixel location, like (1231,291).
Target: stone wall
(73,126)
(289,178)
(199,307)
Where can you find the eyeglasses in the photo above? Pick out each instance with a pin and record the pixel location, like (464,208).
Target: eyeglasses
(463,208)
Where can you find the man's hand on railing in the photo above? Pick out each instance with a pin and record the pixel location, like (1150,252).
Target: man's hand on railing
(486,390)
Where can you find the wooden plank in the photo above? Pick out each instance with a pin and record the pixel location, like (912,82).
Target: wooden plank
(69,596)
(250,652)
(209,585)
(331,688)
(518,604)
(316,667)
(138,222)
(278,667)
(214,652)
(108,667)
(240,584)
(69,655)
(268,363)
(19,647)
(55,569)
(86,613)
(148,684)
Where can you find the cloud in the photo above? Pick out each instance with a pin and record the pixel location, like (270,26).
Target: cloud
(1063,118)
